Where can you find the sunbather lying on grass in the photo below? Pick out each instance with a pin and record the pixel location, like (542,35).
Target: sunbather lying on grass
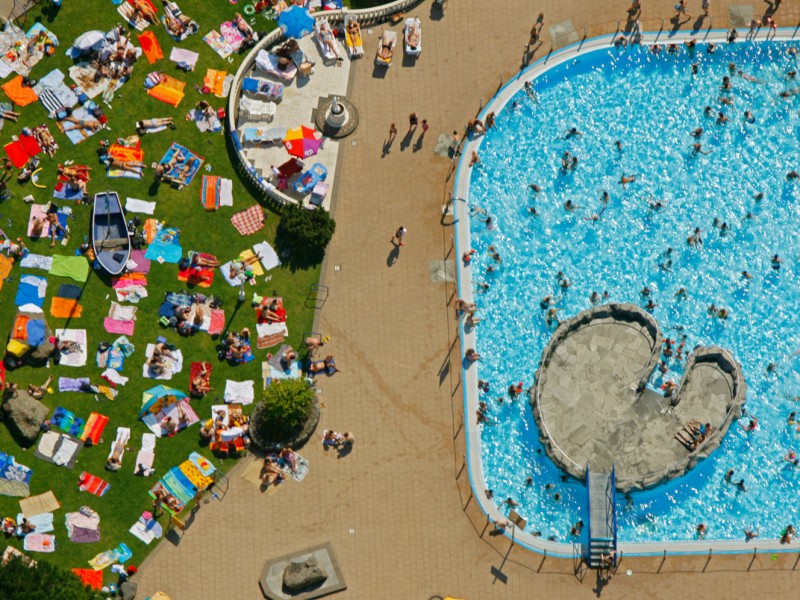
(165,167)
(88,125)
(46,140)
(132,166)
(143,126)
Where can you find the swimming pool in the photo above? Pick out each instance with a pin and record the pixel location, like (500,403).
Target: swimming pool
(650,103)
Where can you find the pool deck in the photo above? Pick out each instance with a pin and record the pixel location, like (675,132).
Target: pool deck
(398,510)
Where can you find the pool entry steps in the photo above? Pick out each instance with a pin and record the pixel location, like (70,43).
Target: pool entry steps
(602,520)
(594,407)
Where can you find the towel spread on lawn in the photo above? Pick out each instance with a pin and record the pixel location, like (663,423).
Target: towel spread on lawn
(240,392)
(14,478)
(95,425)
(77,354)
(74,267)
(25,148)
(131,287)
(38,225)
(36,505)
(180,484)
(147,528)
(216,192)
(166,246)
(92,484)
(120,554)
(64,304)
(169,90)
(249,221)
(32,290)
(66,421)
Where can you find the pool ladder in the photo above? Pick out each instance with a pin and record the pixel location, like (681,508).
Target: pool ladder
(601,488)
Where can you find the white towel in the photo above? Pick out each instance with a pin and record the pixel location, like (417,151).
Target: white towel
(114,377)
(267,329)
(122,313)
(140,206)
(240,392)
(37,261)
(65,452)
(182,55)
(269,258)
(225,192)
(146,455)
(47,443)
(123,436)
(173,365)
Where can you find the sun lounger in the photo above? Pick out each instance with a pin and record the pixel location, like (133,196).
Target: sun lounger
(306,182)
(269,64)
(263,135)
(324,36)
(256,110)
(261,87)
(413,28)
(353,42)
(387,44)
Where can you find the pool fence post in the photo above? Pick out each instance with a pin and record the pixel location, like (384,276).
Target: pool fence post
(752,560)
(663,560)
(708,560)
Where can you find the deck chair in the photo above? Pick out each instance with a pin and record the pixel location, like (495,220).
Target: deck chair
(353,42)
(413,25)
(385,52)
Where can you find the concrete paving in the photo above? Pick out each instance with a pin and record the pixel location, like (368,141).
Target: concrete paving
(398,510)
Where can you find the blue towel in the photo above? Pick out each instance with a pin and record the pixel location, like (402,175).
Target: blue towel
(67,290)
(66,194)
(28,293)
(35,332)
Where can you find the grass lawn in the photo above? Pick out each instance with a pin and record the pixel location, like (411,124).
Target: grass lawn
(200,230)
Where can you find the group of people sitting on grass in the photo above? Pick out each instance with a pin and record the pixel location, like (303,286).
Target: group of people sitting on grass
(227,426)
(237,346)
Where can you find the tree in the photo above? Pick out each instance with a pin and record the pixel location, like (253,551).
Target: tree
(305,233)
(285,409)
(44,581)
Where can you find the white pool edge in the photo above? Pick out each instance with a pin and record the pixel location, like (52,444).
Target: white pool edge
(465,291)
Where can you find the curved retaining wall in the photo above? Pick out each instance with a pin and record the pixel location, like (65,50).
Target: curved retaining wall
(366,17)
(468,338)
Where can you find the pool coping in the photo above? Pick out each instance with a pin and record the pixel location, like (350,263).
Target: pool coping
(469,370)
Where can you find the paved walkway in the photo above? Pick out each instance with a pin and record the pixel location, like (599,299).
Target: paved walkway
(394,510)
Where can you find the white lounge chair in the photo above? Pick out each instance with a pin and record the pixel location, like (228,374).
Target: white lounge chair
(386,46)
(256,110)
(353,41)
(413,30)
(328,46)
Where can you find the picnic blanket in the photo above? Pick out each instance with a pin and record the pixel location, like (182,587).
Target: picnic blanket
(73,359)
(231,34)
(75,133)
(172,364)
(93,430)
(150,46)
(83,76)
(269,258)
(31,290)
(19,94)
(240,392)
(39,542)
(22,150)
(14,478)
(169,90)
(249,221)
(83,527)
(92,484)
(39,504)
(218,43)
(170,411)
(215,192)
(66,421)
(73,267)
(166,246)
(200,276)
(300,462)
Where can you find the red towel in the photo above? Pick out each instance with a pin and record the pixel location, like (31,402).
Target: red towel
(217,321)
(90,577)
(20,151)
(193,372)
(92,484)
(150,46)
(94,427)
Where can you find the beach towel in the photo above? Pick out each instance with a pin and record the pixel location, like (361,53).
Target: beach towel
(73,359)
(54,93)
(204,123)
(25,148)
(92,484)
(37,505)
(114,378)
(140,206)
(172,364)
(126,11)
(83,76)
(240,392)
(73,267)
(36,261)
(122,313)
(150,46)
(65,308)
(142,263)
(31,290)
(194,370)
(174,11)
(218,43)
(153,421)
(213,81)
(95,425)
(6,262)
(147,528)
(66,421)
(175,176)
(271,334)
(60,449)
(217,322)
(40,542)
(166,246)
(249,221)
(181,55)
(119,327)
(14,478)
(231,34)
(199,478)
(18,93)
(146,456)
(105,559)
(74,384)
(300,462)
(44,523)
(269,258)
(75,133)
(38,215)
(90,578)
(216,192)
(170,90)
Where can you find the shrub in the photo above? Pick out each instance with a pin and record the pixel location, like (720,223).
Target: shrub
(304,232)
(19,581)
(286,407)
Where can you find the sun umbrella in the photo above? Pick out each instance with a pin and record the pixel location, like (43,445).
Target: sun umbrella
(302,141)
(296,22)
(88,40)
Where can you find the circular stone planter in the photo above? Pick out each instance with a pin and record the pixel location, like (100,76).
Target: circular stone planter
(294,442)
(593,408)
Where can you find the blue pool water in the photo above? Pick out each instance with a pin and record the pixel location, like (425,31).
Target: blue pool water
(651,104)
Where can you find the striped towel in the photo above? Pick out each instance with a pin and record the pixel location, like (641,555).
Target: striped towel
(93,484)
(94,427)
(50,101)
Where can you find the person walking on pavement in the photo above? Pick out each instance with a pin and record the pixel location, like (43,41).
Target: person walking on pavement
(398,235)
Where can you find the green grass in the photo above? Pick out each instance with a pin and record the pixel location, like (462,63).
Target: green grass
(209,232)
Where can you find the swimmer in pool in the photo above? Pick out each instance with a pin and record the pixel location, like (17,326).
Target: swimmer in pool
(626,180)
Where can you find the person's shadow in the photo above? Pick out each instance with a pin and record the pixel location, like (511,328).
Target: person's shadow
(418,145)
(387,146)
(393,256)
(406,141)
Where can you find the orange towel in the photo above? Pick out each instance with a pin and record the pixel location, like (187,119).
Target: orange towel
(150,230)
(5,268)
(94,427)
(166,94)
(65,308)
(209,192)
(150,47)
(125,153)
(214,81)
(171,82)
(21,96)
(90,577)
(20,330)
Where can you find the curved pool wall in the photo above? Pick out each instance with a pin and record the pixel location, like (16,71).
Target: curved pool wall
(468,338)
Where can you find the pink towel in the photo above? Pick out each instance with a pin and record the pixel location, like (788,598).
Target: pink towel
(217,321)
(122,327)
(40,542)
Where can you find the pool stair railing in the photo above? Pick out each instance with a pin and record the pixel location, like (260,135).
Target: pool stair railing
(602,526)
